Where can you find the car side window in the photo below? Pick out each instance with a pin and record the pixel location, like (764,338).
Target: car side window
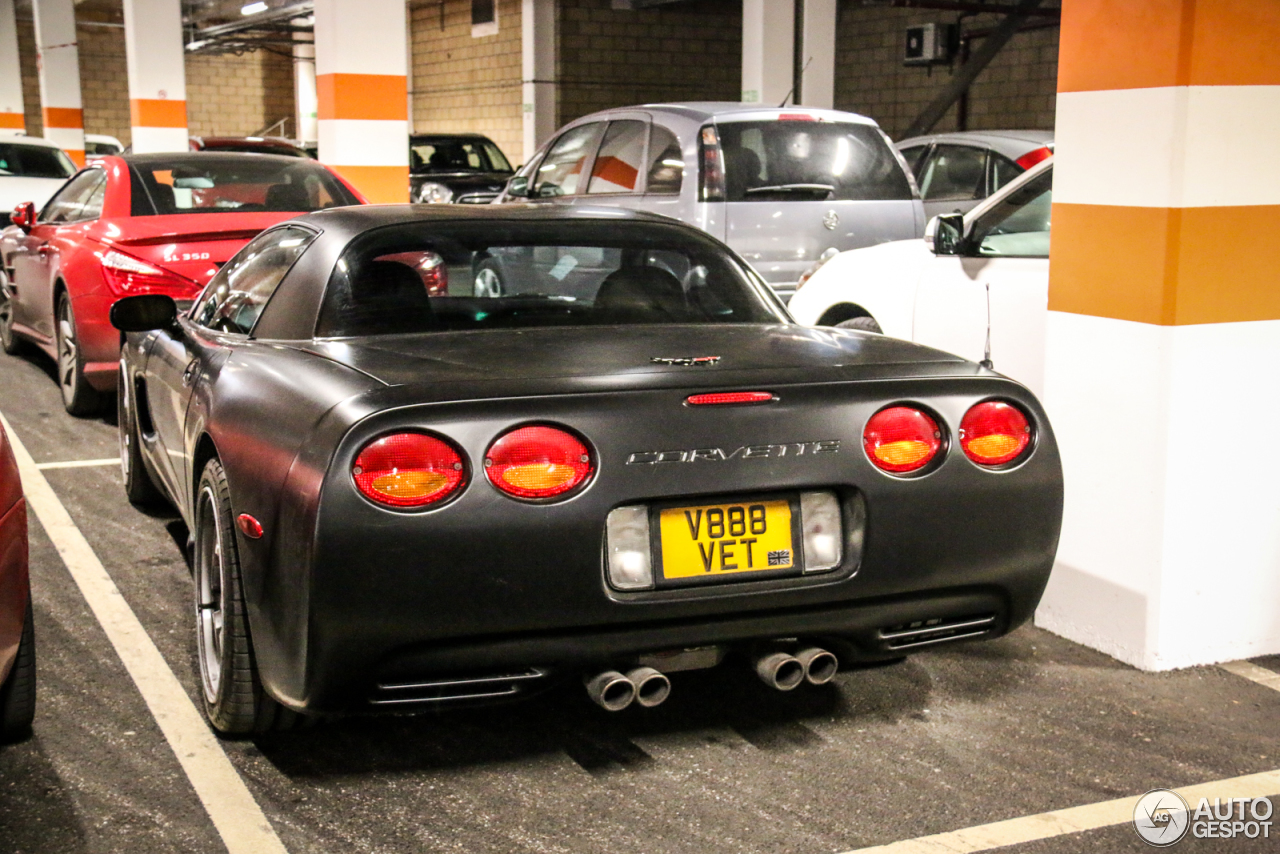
(79,199)
(955,173)
(617,166)
(915,159)
(235,296)
(1017,227)
(1000,171)
(666,162)
(560,172)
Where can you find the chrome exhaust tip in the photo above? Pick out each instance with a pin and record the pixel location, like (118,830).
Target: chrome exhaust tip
(820,666)
(611,690)
(780,670)
(652,687)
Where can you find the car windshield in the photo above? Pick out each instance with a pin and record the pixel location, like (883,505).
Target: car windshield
(809,161)
(34,161)
(218,183)
(486,274)
(1018,225)
(453,154)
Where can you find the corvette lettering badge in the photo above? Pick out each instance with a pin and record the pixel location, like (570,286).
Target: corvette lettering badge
(686,361)
(742,452)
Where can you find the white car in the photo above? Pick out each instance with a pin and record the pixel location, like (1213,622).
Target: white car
(31,169)
(100,145)
(977,285)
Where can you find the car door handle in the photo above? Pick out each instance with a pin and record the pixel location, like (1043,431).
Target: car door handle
(189,375)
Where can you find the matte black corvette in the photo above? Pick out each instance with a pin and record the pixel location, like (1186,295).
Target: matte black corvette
(629,463)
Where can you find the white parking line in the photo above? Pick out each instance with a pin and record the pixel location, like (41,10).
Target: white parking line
(1254,673)
(235,814)
(1015,831)
(75,464)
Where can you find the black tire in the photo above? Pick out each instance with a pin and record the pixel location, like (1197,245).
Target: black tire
(862,324)
(234,699)
(138,485)
(488,280)
(9,341)
(18,693)
(78,397)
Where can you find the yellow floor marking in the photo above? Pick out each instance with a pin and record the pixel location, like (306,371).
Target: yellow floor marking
(232,808)
(1015,831)
(1254,673)
(75,464)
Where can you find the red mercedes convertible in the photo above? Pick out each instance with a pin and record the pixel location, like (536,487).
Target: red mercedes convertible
(145,223)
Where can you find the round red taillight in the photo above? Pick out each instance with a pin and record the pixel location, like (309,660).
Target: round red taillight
(901,439)
(408,470)
(538,462)
(994,433)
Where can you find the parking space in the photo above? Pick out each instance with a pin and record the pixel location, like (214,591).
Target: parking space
(942,741)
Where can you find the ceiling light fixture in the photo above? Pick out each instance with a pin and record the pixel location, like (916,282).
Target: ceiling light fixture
(253,8)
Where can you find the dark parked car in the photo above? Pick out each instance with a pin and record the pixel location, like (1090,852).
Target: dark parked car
(17,634)
(632,462)
(465,168)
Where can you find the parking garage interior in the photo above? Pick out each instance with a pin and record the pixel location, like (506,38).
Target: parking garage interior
(1152,663)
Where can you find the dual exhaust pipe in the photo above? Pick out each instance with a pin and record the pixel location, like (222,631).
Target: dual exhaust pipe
(784,671)
(615,691)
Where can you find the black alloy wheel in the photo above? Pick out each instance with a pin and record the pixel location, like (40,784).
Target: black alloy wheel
(18,693)
(234,699)
(488,281)
(138,485)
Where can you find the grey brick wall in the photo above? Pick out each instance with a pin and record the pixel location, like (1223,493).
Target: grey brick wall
(1018,90)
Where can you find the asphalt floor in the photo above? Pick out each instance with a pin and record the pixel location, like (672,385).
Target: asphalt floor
(948,739)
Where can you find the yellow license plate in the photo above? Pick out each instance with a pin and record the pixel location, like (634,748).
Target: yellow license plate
(726,539)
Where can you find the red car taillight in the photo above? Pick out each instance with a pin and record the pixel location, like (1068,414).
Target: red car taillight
(538,462)
(901,439)
(722,398)
(408,470)
(126,274)
(994,433)
(1031,158)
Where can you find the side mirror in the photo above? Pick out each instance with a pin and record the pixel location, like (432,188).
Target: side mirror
(144,312)
(944,235)
(24,216)
(518,187)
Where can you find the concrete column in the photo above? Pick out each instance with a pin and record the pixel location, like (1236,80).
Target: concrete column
(538,49)
(59,61)
(304,88)
(817,57)
(362,94)
(1163,333)
(768,51)
(11,115)
(157,75)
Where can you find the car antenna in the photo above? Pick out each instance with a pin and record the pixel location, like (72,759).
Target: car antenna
(986,350)
(792,90)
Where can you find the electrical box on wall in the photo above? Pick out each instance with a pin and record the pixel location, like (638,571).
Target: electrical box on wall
(929,44)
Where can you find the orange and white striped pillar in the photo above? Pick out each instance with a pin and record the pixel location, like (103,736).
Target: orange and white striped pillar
(1163,335)
(11,115)
(157,75)
(362,94)
(59,61)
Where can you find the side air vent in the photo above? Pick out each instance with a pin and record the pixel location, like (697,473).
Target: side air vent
(936,630)
(444,690)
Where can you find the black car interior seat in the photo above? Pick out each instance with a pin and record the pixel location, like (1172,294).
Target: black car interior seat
(388,298)
(287,197)
(641,295)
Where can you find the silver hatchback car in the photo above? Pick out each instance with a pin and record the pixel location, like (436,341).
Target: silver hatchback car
(783,187)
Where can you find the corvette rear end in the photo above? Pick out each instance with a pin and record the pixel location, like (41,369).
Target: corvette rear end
(444,455)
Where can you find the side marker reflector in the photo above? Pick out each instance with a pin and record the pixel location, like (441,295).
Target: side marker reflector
(249,526)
